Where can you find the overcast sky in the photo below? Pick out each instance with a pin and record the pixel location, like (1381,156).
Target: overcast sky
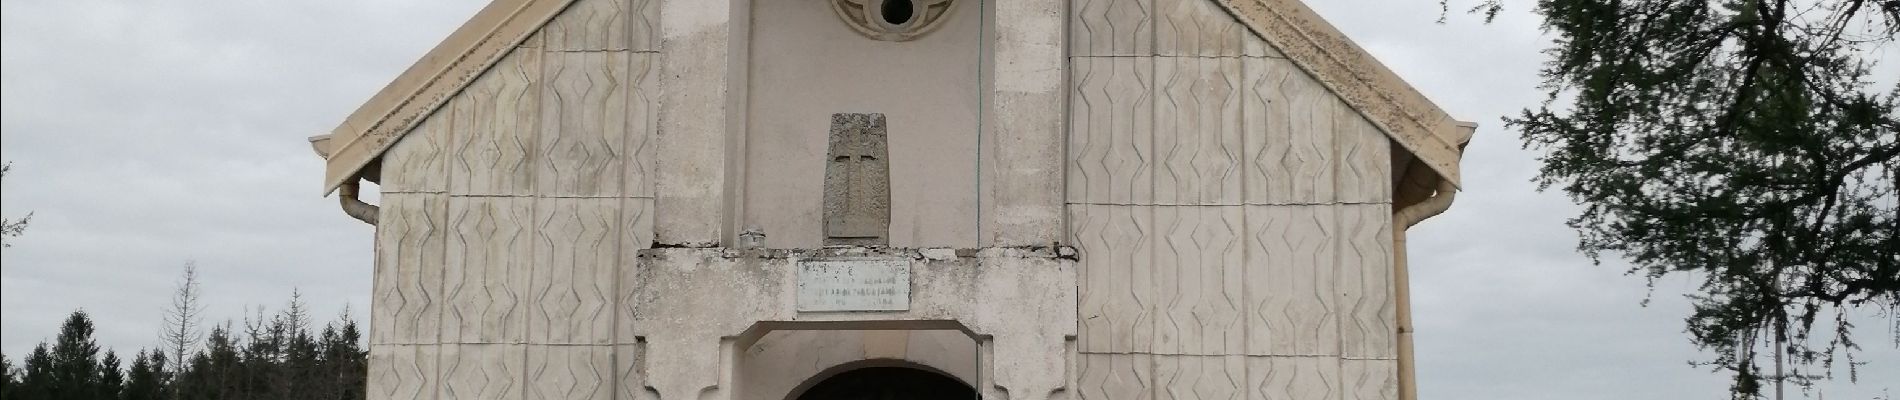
(148,133)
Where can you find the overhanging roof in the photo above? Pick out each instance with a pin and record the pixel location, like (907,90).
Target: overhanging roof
(1394,106)
(432,81)
(1309,41)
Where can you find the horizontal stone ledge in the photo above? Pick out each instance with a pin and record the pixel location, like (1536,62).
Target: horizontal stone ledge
(913,253)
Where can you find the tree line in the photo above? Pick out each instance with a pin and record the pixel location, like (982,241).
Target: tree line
(277,356)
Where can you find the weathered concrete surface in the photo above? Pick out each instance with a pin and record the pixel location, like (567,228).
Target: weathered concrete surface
(1021,301)
(1230,193)
(696,37)
(1023,149)
(805,64)
(777,364)
(1234,215)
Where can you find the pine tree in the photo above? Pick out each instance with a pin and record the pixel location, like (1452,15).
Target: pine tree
(1748,144)
(342,363)
(7,379)
(36,375)
(111,378)
(212,372)
(261,355)
(75,362)
(224,368)
(145,379)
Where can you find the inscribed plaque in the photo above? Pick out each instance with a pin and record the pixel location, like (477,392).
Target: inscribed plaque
(854,285)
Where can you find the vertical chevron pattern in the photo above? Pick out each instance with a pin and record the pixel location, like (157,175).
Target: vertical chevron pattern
(570,373)
(416,165)
(1111,27)
(572,287)
(1369,379)
(402,371)
(593,25)
(481,371)
(584,124)
(1367,313)
(503,219)
(486,281)
(1293,378)
(1196,28)
(1232,213)
(409,262)
(1113,102)
(494,126)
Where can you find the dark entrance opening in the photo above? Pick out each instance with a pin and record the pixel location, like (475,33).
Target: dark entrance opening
(882,383)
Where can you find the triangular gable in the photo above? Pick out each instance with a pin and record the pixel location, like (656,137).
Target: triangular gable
(1362,82)
(1309,41)
(432,81)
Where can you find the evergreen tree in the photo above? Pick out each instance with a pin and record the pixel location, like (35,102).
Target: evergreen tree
(261,355)
(7,378)
(145,379)
(342,362)
(75,367)
(223,367)
(36,375)
(1743,143)
(274,357)
(111,378)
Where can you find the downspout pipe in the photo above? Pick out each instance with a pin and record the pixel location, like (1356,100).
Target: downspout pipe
(354,206)
(1403,220)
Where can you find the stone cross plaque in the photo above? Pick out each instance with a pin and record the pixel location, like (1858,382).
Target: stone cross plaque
(857,182)
(854,285)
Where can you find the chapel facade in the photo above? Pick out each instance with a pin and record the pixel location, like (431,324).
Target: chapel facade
(815,199)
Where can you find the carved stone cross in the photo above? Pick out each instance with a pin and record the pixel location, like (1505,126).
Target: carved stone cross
(857,182)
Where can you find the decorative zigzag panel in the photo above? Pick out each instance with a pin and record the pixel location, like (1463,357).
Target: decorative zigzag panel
(1117,276)
(584,125)
(1115,376)
(1368,325)
(485,286)
(1111,27)
(401,371)
(1197,138)
(417,164)
(629,381)
(1291,305)
(1196,28)
(1201,377)
(1233,215)
(494,130)
(1112,123)
(504,216)
(576,252)
(481,371)
(1370,379)
(1293,378)
(570,372)
(407,283)
(1199,276)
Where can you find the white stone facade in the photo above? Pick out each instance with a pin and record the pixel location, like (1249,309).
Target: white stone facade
(1097,199)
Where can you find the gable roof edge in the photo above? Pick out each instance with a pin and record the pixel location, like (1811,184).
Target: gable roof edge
(477,45)
(1397,108)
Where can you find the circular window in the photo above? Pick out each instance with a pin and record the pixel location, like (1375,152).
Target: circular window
(892,20)
(896,12)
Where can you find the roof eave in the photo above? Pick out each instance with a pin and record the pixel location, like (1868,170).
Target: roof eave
(474,47)
(1397,108)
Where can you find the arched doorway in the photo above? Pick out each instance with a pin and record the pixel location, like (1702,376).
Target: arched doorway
(888,383)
